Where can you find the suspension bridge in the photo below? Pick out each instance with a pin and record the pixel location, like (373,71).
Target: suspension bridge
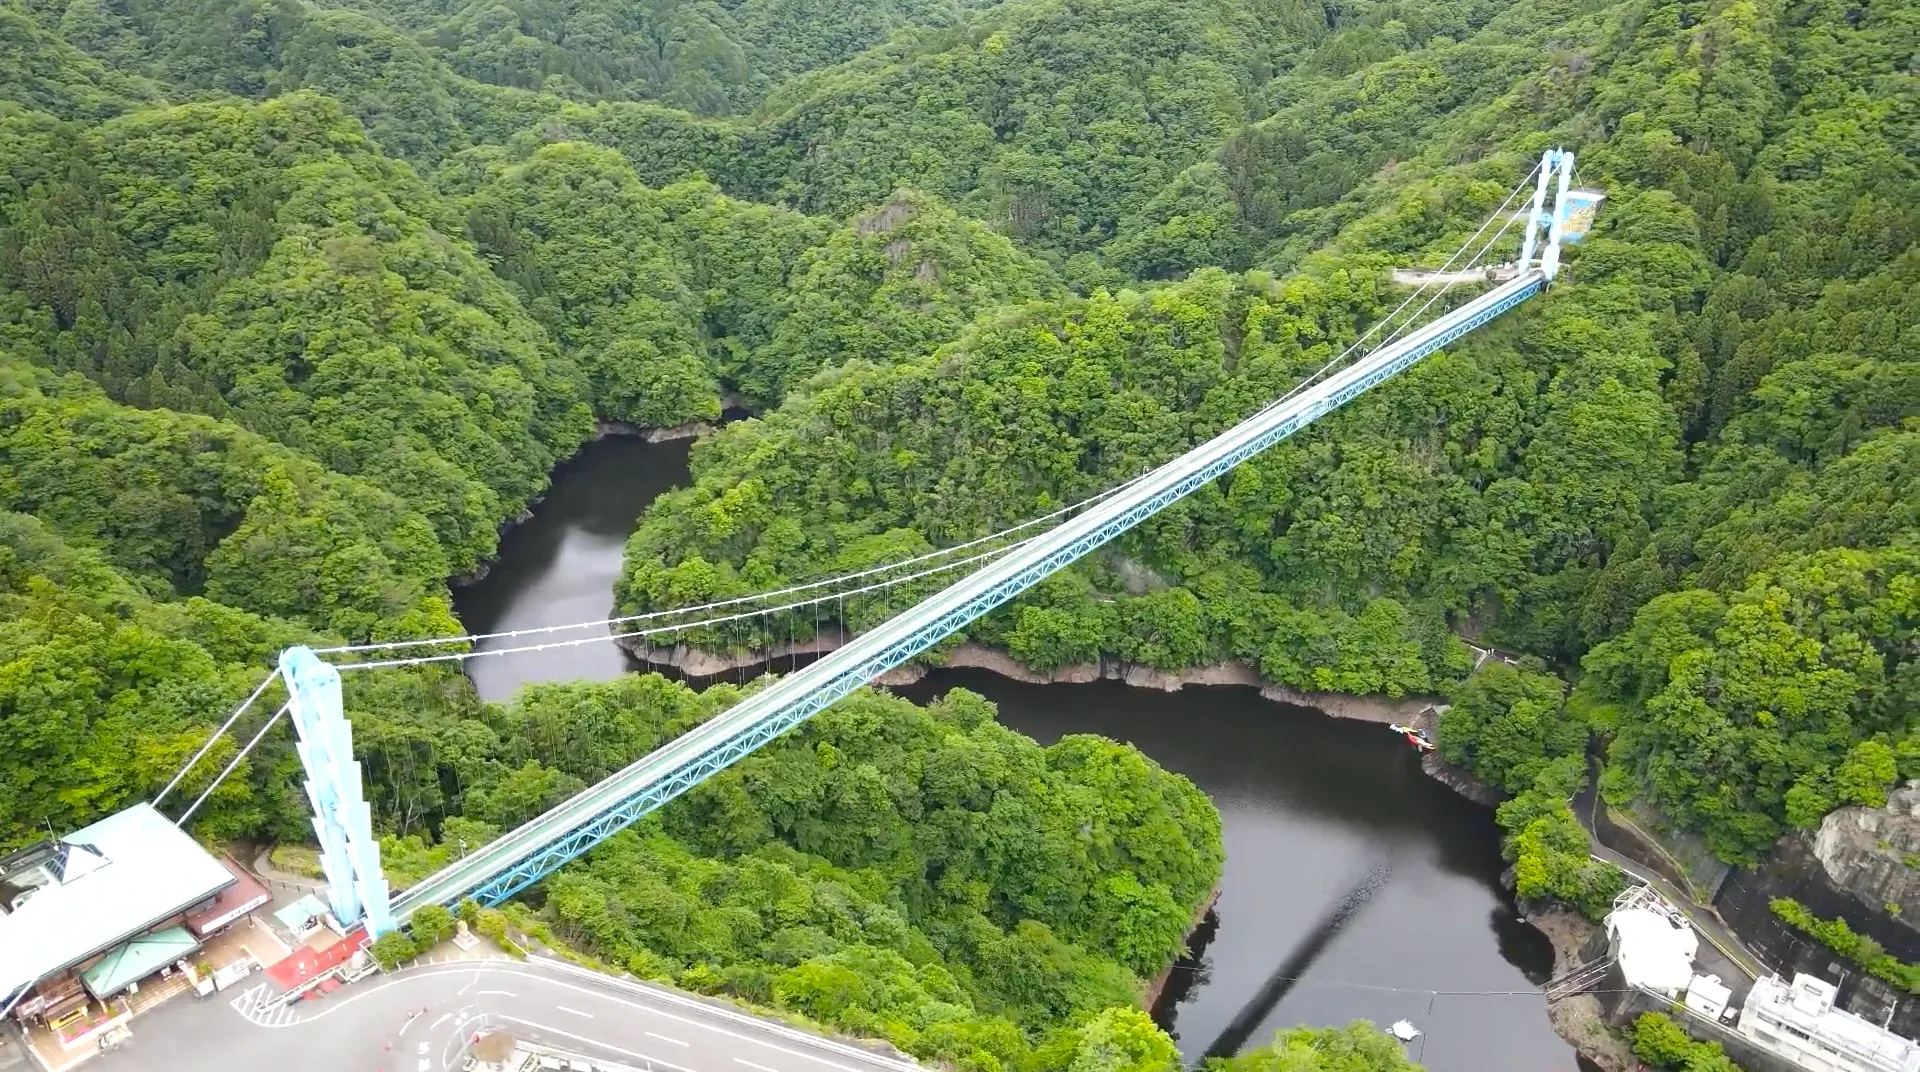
(1000,567)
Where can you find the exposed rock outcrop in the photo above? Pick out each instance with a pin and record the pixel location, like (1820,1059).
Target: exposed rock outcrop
(698,663)
(1460,781)
(1579,1019)
(1852,869)
(606,429)
(1870,852)
(732,406)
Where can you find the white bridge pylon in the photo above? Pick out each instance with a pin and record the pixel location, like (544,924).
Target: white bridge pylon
(342,821)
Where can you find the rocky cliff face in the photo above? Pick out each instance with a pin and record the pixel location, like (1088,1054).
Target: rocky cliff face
(1853,868)
(698,663)
(1460,781)
(1580,1019)
(1865,851)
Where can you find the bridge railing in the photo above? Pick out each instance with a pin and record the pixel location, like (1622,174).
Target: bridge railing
(536,848)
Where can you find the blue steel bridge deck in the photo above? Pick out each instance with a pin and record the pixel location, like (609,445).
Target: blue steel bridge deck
(523,856)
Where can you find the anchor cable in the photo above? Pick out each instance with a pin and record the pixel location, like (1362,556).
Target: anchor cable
(238,756)
(215,736)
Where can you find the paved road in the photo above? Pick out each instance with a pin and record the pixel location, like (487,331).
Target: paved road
(1725,955)
(377,1026)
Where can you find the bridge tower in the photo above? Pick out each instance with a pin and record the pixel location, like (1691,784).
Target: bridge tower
(1566,222)
(1537,215)
(349,855)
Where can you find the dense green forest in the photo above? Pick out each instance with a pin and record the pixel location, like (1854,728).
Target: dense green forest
(1685,481)
(920,875)
(299,304)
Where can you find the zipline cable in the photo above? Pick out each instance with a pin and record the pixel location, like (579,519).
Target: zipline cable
(734,601)
(457,656)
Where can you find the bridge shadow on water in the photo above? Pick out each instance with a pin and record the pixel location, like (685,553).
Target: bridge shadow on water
(1290,970)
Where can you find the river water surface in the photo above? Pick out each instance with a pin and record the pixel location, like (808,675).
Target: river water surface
(558,566)
(1355,886)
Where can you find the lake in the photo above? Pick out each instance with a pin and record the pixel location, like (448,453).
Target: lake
(1354,886)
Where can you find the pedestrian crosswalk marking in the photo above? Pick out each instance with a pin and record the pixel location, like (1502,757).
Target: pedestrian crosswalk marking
(261,1006)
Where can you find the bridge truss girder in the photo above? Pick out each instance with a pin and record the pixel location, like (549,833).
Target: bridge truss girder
(718,757)
(526,855)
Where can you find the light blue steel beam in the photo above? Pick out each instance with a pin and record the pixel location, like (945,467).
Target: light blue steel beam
(535,849)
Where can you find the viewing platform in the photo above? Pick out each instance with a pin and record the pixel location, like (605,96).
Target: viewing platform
(1492,273)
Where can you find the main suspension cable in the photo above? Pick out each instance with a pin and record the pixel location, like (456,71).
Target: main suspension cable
(840,594)
(1385,320)
(757,597)
(1449,284)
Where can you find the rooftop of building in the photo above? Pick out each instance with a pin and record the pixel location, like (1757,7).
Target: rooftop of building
(1654,944)
(299,917)
(245,895)
(1807,1004)
(85,893)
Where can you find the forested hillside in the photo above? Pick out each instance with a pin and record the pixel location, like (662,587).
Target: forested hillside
(299,304)
(1686,480)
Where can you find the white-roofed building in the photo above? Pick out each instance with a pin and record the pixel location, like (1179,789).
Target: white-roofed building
(1799,1022)
(1653,944)
(92,913)
(1708,996)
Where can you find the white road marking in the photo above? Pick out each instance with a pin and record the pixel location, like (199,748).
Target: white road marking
(424,1047)
(663,998)
(600,993)
(664,1038)
(444,1017)
(576,1012)
(258,1006)
(652,1062)
(498,993)
(750,1064)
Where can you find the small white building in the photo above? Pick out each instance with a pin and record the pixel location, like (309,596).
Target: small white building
(1708,996)
(1653,944)
(1798,1022)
